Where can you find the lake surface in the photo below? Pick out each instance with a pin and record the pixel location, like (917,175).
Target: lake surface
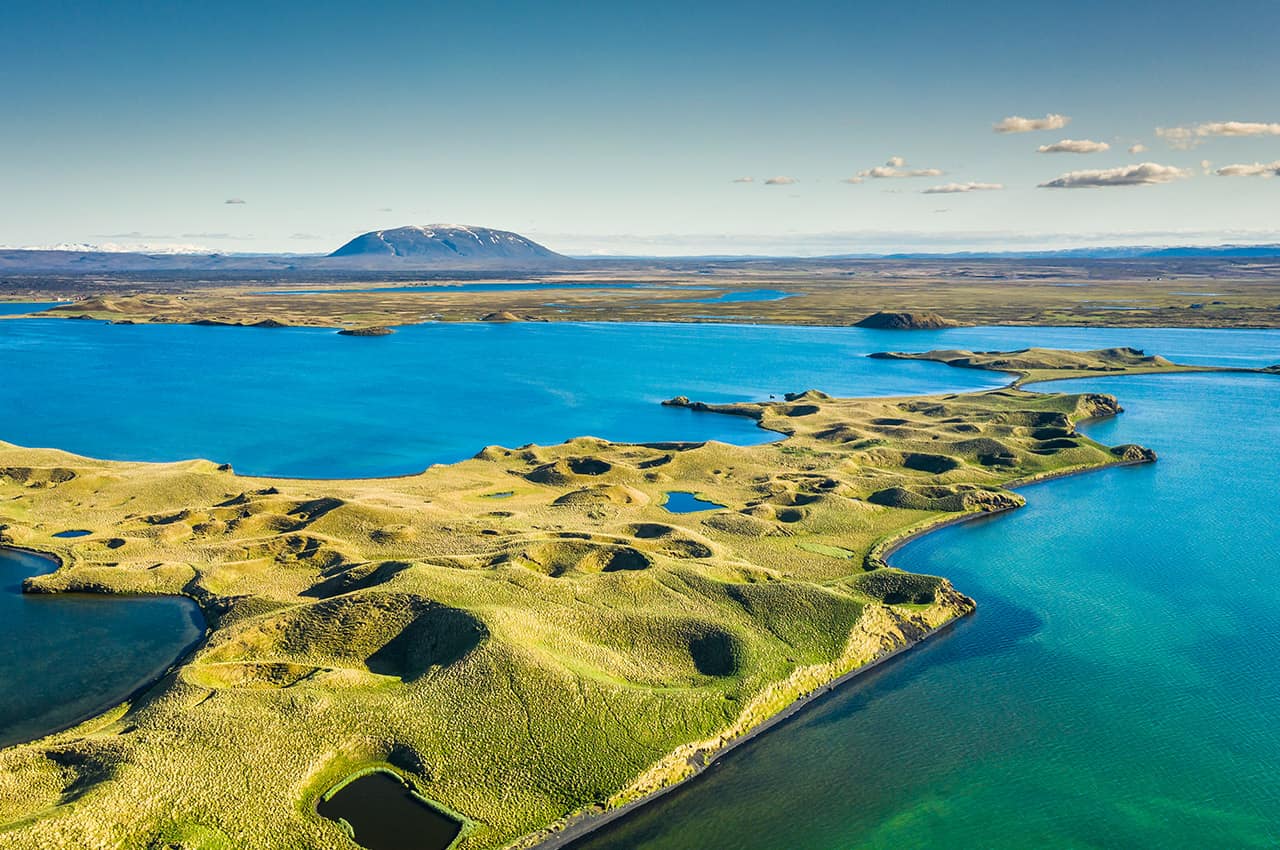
(385,814)
(514,286)
(735,296)
(1118,687)
(679,502)
(66,657)
(308,402)
(17,308)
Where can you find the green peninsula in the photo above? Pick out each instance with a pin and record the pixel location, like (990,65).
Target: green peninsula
(527,637)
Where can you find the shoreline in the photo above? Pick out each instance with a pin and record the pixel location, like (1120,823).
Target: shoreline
(178,662)
(582,825)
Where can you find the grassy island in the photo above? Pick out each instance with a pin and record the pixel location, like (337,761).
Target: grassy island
(527,637)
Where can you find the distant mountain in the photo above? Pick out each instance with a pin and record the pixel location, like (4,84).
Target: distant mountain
(1129,252)
(450,245)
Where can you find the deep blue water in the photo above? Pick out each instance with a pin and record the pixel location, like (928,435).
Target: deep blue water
(523,286)
(679,502)
(307,402)
(17,308)
(735,297)
(1118,687)
(64,658)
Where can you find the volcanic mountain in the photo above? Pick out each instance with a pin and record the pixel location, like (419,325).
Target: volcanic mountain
(451,245)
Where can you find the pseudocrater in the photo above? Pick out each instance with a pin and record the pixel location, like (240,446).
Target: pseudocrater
(381,812)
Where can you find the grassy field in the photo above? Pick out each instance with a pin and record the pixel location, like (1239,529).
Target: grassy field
(519,658)
(1198,292)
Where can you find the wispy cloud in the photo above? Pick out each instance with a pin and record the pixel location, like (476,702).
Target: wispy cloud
(781,181)
(1256,169)
(1190,136)
(234,201)
(1138,147)
(1075,146)
(216,236)
(894,168)
(1143,174)
(1018,124)
(744,180)
(957,188)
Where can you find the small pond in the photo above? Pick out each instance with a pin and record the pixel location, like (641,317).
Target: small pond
(383,813)
(679,502)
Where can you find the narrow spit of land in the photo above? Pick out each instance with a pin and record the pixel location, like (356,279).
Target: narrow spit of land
(526,662)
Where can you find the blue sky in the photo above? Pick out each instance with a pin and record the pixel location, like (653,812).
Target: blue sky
(622,127)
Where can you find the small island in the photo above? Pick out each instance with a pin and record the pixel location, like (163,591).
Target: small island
(376,330)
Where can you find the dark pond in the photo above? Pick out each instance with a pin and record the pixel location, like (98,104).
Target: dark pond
(385,814)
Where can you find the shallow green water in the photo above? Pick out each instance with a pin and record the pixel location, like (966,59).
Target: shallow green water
(1118,687)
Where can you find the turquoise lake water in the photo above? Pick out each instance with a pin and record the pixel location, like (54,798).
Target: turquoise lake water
(521,286)
(1118,687)
(679,502)
(307,402)
(64,658)
(17,308)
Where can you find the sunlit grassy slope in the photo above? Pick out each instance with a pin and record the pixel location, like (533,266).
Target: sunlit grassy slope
(569,646)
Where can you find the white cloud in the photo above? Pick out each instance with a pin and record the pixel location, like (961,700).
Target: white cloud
(890,172)
(1126,175)
(956,188)
(853,180)
(744,180)
(1018,124)
(1257,169)
(1190,136)
(1137,148)
(234,201)
(1237,128)
(1075,146)
(894,168)
(780,181)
